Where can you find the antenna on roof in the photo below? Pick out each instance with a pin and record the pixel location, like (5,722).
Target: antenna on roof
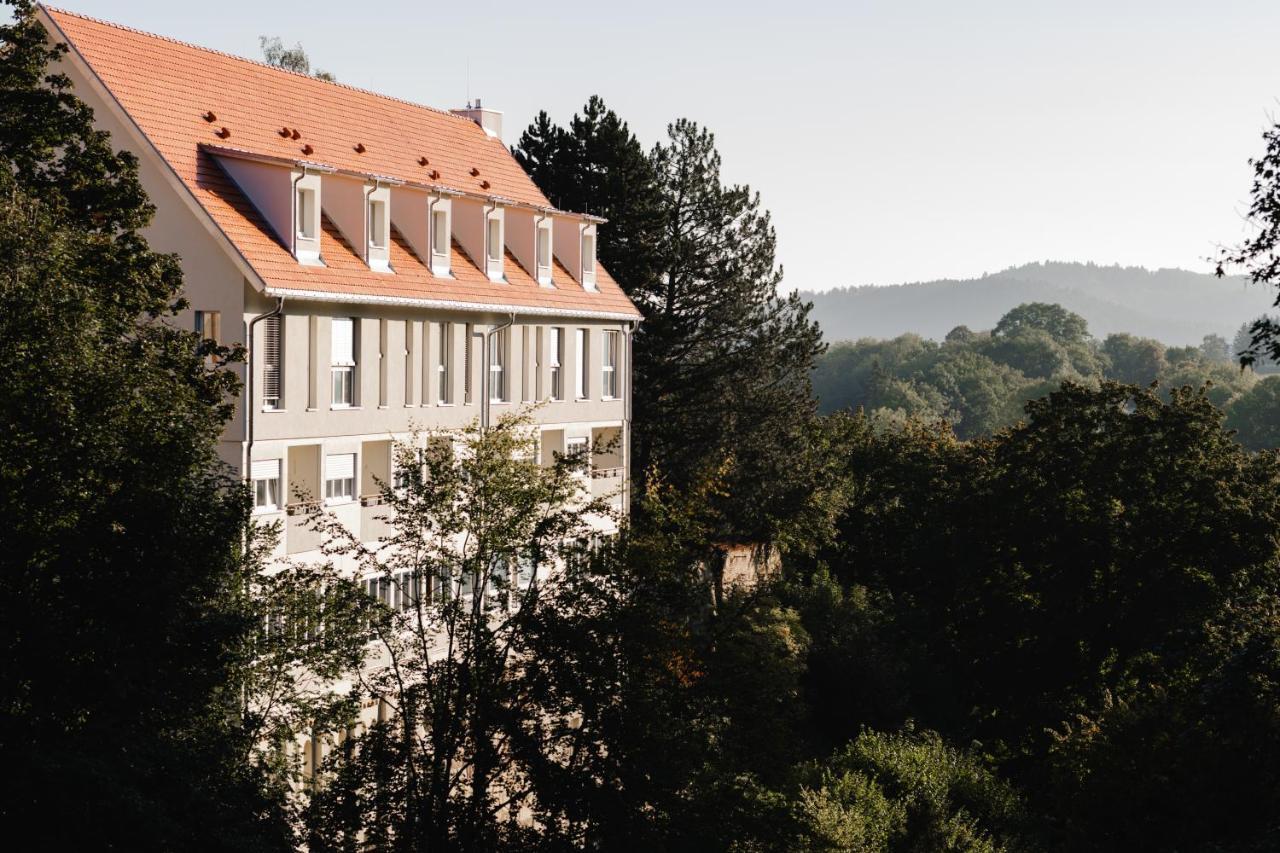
(468,82)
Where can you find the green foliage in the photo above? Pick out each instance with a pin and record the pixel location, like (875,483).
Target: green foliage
(979,383)
(122,614)
(907,792)
(1255,415)
(721,361)
(289,58)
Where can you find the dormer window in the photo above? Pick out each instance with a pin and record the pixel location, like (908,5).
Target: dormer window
(494,246)
(589,259)
(306,219)
(440,242)
(307,214)
(544,253)
(378,230)
(495,240)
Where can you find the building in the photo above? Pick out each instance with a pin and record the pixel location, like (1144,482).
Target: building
(389,265)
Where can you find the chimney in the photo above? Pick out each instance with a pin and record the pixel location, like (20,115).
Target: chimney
(490,120)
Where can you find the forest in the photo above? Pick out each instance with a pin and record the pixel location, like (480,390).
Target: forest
(980,381)
(1016,597)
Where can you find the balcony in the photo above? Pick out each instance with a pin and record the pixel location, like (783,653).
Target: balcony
(298,535)
(374,515)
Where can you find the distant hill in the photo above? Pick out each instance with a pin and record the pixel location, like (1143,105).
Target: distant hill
(1171,305)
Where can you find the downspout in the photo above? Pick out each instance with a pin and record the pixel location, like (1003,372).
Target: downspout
(626,424)
(249,402)
(484,378)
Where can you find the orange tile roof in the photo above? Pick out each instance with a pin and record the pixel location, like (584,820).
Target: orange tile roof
(166,87)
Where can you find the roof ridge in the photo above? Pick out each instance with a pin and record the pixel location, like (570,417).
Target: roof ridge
(258,62)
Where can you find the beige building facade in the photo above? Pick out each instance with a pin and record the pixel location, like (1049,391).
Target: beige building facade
(389,266)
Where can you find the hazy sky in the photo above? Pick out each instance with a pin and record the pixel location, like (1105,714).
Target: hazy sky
(893,141)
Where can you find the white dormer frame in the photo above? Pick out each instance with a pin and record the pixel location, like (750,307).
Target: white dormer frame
(494,242)
(544,249)
(440,235)
(588,254)
(306,218)
(377,227)
(573,236)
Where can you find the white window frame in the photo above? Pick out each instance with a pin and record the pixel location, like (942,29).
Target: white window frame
(609,365)
(587,248)
(342,494)
(265,474)
(305,226)
(543,252)
(342,367)
(379,228)
(555,363)
(499,353)
(444,387)
(441,237)
(582,376)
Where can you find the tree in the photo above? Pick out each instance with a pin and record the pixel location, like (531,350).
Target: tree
(1216,349)
(1255,416)
(475,527)
(121,609)
(1060,324)
(1259,255)
(598,166)
(908,792)
(289,58)
(1137,361)
(1100,552)
(721,361)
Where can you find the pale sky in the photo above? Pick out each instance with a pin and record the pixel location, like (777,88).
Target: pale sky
(893,141)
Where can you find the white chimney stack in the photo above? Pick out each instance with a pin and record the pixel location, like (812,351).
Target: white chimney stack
(490,120)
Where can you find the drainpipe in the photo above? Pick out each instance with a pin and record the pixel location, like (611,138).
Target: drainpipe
(249,403)
(626,423)
(484,378)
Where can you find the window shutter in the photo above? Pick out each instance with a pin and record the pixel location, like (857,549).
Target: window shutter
(271,359)
(343,341)
(340,466)
(265,469)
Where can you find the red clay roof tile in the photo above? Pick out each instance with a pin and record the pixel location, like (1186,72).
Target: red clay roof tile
(168,88)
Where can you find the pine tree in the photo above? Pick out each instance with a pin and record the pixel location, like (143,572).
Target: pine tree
(721,361)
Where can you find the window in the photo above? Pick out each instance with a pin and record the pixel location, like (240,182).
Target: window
(265,474)
(498,366)
(544,254)
(555,360)
(440,234)
(344,362)
(378,224)
(410,343)
(588,255)
(445,339)
(307,214)
(440,243)
(271,362)
(208,325)
(609,367)
(582,373)
(495,240)
(576,449)
(339,478)
(466,367)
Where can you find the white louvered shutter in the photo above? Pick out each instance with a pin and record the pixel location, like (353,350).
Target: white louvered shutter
(265,469)
(271,362)
(343,337)
(340,466)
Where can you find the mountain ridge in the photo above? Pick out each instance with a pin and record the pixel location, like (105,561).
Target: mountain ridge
(1173,305)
